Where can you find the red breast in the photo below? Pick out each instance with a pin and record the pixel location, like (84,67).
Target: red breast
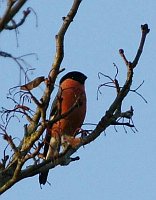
(71,91)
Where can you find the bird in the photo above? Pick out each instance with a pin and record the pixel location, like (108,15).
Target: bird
(71,99)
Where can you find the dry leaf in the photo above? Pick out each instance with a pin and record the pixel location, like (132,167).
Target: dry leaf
(33,84)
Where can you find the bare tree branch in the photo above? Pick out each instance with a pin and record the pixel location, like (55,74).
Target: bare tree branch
(13,7)
(16,25)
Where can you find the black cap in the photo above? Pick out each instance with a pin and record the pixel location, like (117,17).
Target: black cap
(75,75)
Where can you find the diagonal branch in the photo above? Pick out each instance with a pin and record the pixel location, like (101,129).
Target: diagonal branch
(145,31)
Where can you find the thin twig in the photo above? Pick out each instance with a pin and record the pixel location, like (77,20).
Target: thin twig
(16,25)
(12,9)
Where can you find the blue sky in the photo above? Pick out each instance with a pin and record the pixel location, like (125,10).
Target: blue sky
(118,165)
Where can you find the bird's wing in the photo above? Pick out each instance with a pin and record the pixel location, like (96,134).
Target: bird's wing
(53,113)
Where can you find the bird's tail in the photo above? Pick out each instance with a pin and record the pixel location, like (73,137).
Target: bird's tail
(51,150)
(43,177)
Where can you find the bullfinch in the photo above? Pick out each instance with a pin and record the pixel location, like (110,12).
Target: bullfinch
(71,99)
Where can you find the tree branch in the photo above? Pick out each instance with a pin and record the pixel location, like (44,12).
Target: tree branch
(16,25)
(13,8)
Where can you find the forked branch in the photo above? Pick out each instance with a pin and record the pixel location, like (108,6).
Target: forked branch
(12,9)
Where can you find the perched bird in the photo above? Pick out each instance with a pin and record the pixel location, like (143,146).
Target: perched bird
(71,99)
